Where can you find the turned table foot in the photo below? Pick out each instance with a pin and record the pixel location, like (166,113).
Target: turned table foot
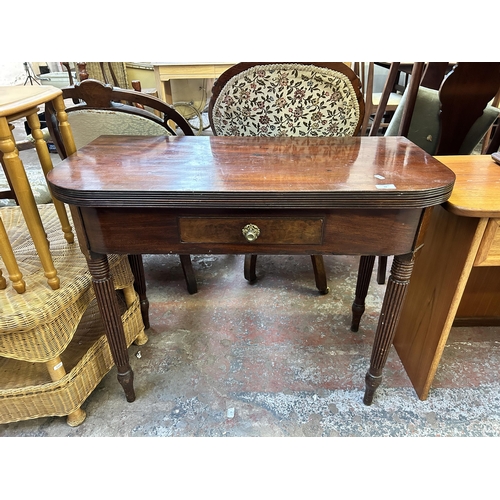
(126,380)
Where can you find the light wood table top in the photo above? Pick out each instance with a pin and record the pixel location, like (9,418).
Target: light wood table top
(168,70)
(477,186)
(16,99)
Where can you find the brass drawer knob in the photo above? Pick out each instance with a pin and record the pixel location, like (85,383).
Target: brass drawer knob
(251,232)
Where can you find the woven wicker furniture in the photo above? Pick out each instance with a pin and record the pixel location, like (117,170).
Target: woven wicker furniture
(53,349)
(287,100)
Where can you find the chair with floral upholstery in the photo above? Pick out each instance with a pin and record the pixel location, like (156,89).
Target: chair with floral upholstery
(287,99)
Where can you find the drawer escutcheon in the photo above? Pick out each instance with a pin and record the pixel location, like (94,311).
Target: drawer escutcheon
(251,232)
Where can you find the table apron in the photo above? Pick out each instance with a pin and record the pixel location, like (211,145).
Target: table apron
(219,231)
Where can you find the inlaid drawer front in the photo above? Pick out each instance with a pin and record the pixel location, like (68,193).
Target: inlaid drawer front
(260,230)
(489,249)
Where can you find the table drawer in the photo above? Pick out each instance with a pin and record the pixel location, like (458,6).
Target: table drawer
(259,231)
(489,249)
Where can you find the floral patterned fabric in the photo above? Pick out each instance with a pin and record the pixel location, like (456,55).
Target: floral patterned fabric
(287,100)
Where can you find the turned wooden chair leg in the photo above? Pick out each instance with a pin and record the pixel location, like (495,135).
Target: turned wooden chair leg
(320,274)
(15,275)
(9,193)
(137,268)
(130,294)
(364,276)
(57,372)
(249,269)
(47,166)
(382,269)
(187,269)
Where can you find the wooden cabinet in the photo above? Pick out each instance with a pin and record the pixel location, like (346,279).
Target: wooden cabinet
(457,271)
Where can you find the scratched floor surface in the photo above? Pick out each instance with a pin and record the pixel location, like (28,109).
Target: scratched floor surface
(278,359)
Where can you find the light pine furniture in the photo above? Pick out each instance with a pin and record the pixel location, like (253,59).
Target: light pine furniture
(165,72)
(18,102)
(363,196)
(457,271)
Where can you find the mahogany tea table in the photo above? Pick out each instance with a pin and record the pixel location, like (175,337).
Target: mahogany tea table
(363,196)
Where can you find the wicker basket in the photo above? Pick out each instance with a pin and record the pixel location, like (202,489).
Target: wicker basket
(38,324)
(26,390)
(59,331)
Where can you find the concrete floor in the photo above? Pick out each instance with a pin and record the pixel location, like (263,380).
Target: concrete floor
(277,359)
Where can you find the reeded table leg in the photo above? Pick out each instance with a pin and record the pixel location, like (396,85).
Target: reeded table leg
(109,308)
(397,286)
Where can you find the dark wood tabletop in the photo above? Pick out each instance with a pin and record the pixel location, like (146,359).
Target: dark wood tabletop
(252,172)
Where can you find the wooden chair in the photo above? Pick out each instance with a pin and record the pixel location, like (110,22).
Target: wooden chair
(453,118)
(365,72)
(106,72)
(450,118)
(287,99)
(102,109)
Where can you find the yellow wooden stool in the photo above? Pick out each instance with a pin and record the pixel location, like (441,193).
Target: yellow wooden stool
(17,102)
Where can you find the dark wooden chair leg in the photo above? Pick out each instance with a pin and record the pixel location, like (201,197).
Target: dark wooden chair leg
(382,269)
(364,275)
(137,267)
(187,269)
(249,269)
(320,274)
